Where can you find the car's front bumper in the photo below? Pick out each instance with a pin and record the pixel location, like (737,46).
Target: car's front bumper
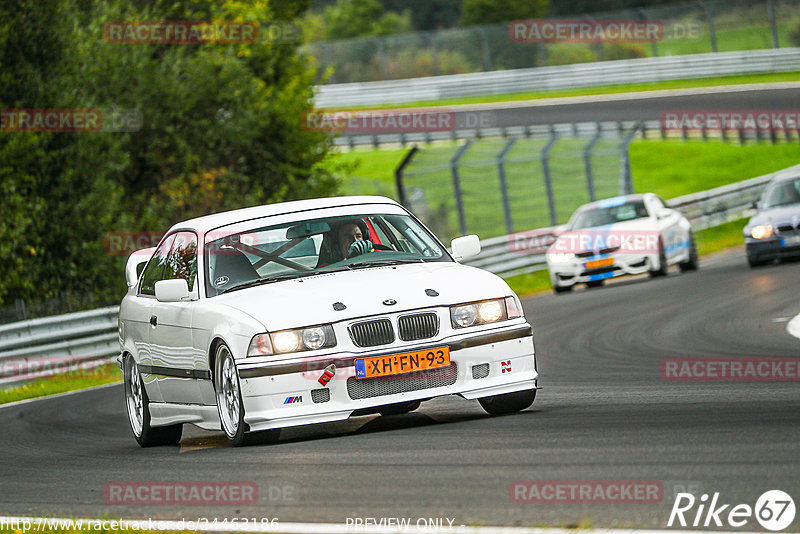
(289,393)
(575,271)
(776,247)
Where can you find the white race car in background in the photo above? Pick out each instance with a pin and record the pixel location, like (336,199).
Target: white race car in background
(630,234)
(313,311)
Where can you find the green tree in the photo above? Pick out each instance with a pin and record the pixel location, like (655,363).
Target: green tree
(221,130)
(480,12)
(347,19)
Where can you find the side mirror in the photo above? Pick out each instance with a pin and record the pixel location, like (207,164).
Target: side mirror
(135,264)
(664,213)
(754,205)
(172,290)
(465,247)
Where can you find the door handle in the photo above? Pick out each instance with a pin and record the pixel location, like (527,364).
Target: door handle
(153,320)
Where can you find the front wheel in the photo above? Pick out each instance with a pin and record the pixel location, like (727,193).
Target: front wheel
(230,405)
(693,262)
(661,270)
(138,407)
(508,402)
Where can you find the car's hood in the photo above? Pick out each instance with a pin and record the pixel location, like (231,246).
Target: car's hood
(309,301)
(597,233)
(778,215)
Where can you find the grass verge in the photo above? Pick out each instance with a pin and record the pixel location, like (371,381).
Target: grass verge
(70,381)
(599,90)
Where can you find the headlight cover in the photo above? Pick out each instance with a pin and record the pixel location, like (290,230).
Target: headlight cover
(761,231)
(289,341)
(484,312)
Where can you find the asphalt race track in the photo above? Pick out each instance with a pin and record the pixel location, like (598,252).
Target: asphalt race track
(603,413)
(631,106)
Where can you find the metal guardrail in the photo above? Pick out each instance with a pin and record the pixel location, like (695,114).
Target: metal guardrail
(624,71)
(704,210)
(53,345)
(28,349)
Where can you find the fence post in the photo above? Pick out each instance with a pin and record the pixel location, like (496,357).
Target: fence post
(462,218)
(501,172)
(398,175)
(487,51)
(20,305)
(382,57)
(626,176)
(712,30)
(548,183)
(587,160)
(326,47)
(653,43)
(434,57)
(772,24)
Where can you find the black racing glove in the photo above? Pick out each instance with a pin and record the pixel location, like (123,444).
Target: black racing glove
(362,246)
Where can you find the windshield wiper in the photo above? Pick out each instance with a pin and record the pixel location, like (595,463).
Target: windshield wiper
(378,263)
(283,276)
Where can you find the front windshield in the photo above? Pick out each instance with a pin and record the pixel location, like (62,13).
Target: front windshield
(782,194)
(265,254)
(602,216)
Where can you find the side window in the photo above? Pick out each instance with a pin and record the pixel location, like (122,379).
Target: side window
(182,259)
(155,267)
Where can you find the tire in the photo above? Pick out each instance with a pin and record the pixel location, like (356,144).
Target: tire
(508,402)
(399,408)
(230,406)
(595,283)
(662,262)
(562,289)
(693,263)
(137,405)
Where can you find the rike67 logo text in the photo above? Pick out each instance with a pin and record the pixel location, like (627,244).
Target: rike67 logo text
(774,510)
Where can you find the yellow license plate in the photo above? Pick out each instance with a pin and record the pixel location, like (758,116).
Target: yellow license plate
(599,263)
(407,362)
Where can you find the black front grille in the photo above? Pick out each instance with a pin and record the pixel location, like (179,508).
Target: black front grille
(785,228)
(600,270)
(601,252)
(367,388)
(417,326)
(372,333)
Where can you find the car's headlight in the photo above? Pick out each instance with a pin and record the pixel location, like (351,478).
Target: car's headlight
(560,257)
(484,312)
(761,231)
(288,341)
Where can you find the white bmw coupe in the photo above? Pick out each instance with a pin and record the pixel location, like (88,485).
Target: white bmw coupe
(311,311)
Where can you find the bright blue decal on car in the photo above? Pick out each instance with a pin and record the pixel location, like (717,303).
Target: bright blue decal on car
(611,202)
